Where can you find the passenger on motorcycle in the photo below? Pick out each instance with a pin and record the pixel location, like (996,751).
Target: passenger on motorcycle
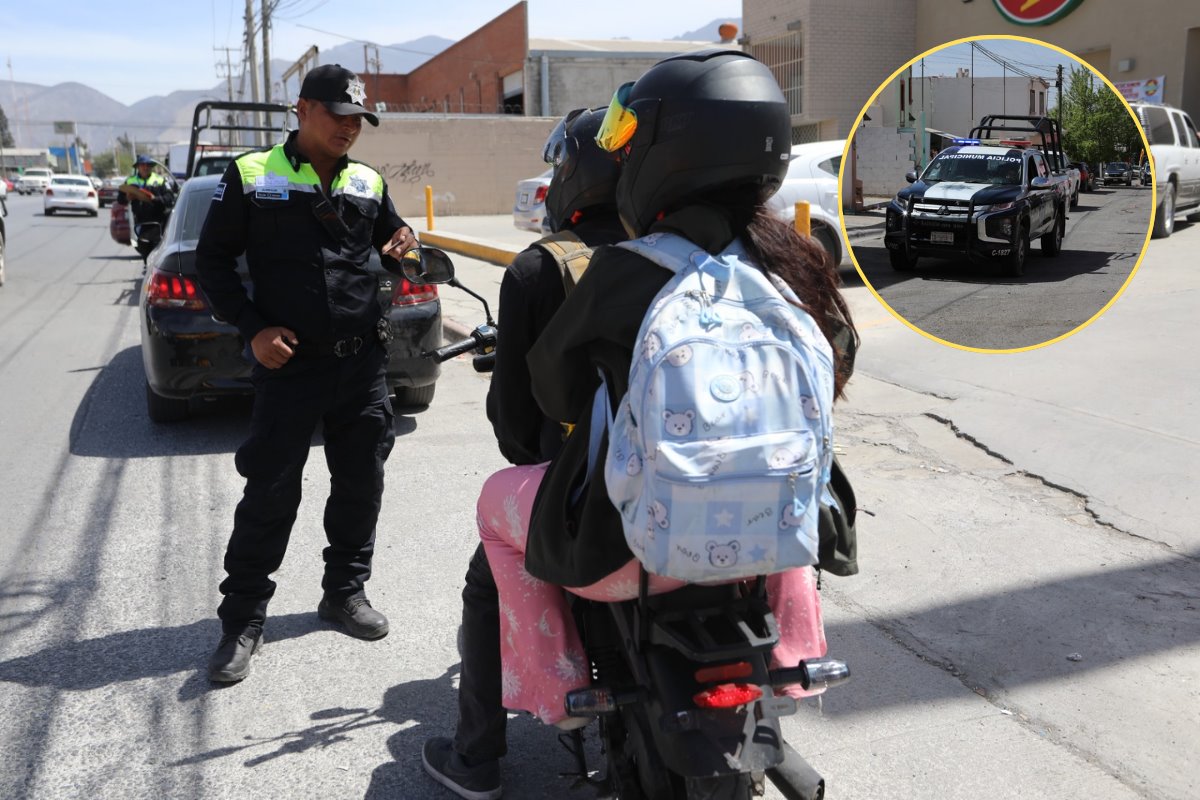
(693,164)
(581,200)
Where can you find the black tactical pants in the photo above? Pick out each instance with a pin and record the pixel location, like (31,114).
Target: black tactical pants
(481,714)
(350,397)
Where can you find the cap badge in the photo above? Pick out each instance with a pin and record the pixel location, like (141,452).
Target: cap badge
(357,91)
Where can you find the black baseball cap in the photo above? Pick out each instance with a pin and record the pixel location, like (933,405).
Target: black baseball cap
(339,89)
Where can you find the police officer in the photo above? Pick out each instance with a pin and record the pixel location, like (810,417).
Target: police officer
(306,216)
(147,191)
(581,200)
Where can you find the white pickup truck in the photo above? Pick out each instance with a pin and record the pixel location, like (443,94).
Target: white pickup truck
(34,180)
(1175,148)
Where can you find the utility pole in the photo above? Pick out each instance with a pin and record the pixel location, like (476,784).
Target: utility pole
(972,83)
(266,57)
(16,110)
(368,62)
(1058,83)
(252,65)
(228,76)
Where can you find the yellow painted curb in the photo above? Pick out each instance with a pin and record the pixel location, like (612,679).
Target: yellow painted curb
(464,246)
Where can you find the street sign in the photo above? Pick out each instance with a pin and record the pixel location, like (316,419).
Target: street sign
(65,128)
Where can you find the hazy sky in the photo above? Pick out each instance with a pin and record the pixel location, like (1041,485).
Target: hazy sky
(136,49)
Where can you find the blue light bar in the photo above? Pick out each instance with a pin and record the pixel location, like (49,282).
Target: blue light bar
(966,141)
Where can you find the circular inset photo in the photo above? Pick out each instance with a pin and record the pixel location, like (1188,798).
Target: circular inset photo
(1013,189)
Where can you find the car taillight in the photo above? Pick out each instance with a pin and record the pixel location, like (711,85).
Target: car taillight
(727,695)
(540,195)
(165,290)
(91,194)
(49,192)
(409,294)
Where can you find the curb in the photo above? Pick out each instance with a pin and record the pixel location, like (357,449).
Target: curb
(454,331)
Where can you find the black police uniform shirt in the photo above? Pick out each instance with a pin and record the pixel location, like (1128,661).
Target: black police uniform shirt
(530,293)
(307,275)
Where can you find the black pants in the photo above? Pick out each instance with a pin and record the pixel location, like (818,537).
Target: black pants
(350,396)
(481,714)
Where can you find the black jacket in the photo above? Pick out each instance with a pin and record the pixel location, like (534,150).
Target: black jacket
(304,277)
(530,293)
(576,545)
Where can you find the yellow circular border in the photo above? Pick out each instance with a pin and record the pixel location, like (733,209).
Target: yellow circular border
(846,157)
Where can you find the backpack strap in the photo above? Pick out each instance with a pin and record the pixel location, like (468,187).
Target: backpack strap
(570,253)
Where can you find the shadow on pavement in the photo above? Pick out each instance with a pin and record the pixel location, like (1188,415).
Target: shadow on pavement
(139,654)
(111,420)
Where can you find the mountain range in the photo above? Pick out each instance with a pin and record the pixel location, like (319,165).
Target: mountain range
(100,120)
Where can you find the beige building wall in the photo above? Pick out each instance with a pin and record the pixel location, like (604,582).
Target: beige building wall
(473,162)
(849,48)
(1158,37)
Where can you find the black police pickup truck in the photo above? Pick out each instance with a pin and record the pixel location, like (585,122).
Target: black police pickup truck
(979,203)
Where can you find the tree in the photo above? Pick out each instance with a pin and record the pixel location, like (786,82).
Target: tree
(1097,126)
(6,137)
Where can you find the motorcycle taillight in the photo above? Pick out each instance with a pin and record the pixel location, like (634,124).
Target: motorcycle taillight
(727,695)
(724,672)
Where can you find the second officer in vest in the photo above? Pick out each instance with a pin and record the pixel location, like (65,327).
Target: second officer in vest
(307,218)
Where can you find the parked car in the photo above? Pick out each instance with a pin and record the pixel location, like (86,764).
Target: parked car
(1175,150)
(1087,181)
(1146,178)
(812,176)
(3,233)
(1118,172)
(9,186)
(529,210)
(109,190)
(70,193)
(189,355)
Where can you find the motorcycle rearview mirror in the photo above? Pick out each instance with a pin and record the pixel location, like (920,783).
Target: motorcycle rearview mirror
(425,265)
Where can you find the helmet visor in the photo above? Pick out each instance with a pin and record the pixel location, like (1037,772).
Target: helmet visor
(560,145)
(619,123)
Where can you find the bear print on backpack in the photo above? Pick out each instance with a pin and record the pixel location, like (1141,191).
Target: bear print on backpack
(720,452)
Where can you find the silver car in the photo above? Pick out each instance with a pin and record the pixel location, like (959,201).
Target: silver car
(529,211)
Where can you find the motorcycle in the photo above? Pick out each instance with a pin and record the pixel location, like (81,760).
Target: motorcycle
(681,685)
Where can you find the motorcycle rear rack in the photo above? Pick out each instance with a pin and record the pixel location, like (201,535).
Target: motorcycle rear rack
(707,623)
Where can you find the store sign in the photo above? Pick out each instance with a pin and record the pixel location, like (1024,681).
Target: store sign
(1035,12)
(65,128)
(1149,90)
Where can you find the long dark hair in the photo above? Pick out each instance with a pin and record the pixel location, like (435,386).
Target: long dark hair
(806,267)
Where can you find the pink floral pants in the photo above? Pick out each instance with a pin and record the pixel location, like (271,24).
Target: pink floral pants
(540,650)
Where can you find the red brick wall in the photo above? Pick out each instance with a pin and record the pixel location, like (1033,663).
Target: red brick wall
(467,76)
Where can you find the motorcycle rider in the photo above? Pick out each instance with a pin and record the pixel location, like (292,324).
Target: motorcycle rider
(580,200)
(148,193)
(701,138)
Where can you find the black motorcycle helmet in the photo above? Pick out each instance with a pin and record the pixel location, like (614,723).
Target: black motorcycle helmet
(693,124)
(584,175)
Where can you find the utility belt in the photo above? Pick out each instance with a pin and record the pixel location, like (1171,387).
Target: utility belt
(349,346)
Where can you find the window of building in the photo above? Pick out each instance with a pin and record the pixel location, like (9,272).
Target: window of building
(1041,102)
(783,55)
(1031,110)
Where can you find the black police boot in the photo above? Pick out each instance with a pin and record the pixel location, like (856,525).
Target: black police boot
(354,613)
(230,662)
(469,781)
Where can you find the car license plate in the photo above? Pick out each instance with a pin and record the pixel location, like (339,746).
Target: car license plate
(941,237)
(524,198)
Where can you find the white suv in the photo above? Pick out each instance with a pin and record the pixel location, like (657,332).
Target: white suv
(1175,148)
(34,180)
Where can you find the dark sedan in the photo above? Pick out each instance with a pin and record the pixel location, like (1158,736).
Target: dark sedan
(1118,172)
(188,355)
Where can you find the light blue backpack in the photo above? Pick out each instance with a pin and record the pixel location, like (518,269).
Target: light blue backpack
(720,452)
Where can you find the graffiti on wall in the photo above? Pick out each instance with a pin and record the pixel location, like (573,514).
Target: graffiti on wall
(410,172)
